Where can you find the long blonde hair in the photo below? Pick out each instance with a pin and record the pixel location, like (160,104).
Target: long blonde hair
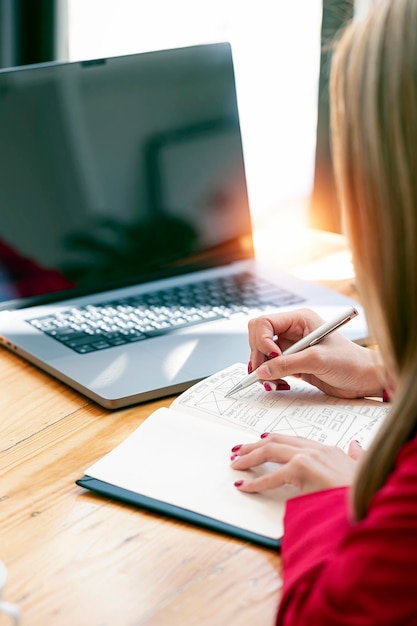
(374,129)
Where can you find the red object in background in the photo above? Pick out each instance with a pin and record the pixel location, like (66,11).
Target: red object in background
(22,277)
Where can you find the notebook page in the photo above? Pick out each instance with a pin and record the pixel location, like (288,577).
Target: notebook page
(303,411)
(185,461)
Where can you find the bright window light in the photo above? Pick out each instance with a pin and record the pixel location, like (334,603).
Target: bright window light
(276,48)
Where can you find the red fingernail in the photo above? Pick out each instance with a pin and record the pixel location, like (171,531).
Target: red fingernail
(236,448)
(234,456)
(385,396)
(272,355)
(264,435)
(283,385)
(268,387)
(238,483)
(250,368)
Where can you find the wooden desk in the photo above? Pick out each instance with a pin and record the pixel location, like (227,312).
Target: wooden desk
(75,559)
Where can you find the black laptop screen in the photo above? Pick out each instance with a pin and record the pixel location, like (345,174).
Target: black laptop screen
(118,171)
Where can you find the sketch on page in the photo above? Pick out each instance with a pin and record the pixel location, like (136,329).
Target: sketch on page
(303,411)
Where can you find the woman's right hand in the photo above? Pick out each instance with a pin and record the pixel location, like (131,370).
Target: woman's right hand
(336,366)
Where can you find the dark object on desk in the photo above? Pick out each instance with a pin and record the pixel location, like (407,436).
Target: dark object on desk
(169,510)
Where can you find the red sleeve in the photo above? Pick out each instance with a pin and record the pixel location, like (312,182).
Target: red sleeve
(345,573)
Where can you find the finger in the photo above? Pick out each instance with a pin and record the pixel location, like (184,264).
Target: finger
(242,449)
(263,483)
(355,450)
(264,332)
(308,361)
(289,327)
(298,443)
(258,455)
(261,341)
(276,385)
(306,470)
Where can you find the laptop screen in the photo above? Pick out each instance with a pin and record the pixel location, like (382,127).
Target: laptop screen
(118,171)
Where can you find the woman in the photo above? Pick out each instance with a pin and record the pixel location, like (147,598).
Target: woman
(350,545)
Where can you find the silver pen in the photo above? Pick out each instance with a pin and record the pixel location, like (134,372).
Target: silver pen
(306,342)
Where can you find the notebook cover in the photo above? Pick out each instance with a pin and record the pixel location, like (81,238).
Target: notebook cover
(170,510)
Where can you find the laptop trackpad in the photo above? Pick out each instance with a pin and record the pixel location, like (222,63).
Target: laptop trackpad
(200,353)
(173,359)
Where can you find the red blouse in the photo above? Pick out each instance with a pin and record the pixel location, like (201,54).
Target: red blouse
(339,572)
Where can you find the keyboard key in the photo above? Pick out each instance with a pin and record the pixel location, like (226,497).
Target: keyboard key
(89,328)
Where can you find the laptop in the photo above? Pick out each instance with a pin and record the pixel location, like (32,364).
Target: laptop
(127,267)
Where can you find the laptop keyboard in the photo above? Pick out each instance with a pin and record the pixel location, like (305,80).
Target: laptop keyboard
(125,320)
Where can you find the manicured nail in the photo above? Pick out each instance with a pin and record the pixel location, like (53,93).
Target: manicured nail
(238,483)
(272,355)
(234,457)
(283,385)
(236,448)
(270,386)
(250,368)
(264,435)
(385,396)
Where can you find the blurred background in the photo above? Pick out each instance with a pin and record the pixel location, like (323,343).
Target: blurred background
(281,54)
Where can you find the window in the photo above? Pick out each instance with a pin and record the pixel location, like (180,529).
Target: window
(277,55)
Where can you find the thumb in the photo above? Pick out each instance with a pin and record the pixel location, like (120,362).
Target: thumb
(282,366)
(355,450)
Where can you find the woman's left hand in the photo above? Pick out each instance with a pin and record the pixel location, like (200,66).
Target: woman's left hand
(308,465)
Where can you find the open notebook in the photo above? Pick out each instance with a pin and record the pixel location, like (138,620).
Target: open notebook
(126,255)
(177,462)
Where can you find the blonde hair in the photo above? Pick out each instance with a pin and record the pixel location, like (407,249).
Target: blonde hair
(374,137)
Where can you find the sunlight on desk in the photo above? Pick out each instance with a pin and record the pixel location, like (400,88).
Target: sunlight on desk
(337,266)
(299,249)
